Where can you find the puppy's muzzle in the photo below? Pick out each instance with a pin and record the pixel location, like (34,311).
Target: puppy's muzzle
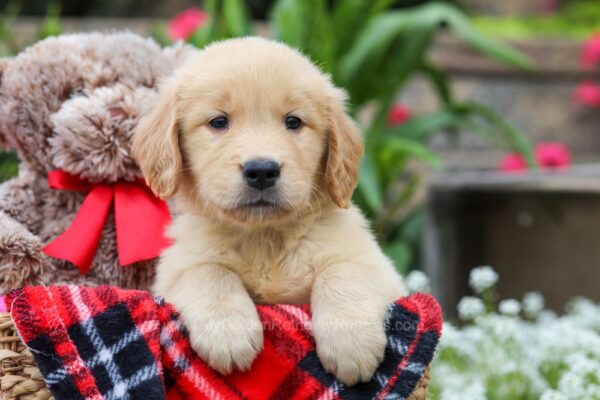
(261,174)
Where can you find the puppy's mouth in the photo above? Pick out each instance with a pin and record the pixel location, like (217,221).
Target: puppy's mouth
(260,208)
(258,204)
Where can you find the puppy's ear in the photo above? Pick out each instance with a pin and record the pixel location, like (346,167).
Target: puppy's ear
(345,150)
(156,144)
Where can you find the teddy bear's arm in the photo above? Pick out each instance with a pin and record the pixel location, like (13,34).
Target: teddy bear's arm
(20,199)
(21,259)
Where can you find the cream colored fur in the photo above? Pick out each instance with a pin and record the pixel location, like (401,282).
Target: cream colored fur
(313,247)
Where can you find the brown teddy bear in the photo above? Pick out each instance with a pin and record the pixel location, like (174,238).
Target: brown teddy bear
(68,106)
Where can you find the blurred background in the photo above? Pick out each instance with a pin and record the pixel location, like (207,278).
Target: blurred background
(482,128)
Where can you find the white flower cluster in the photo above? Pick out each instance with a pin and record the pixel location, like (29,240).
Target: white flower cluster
(510,307)
(417,281)
(470,308)
(501,356)
(482,278)
(533,304)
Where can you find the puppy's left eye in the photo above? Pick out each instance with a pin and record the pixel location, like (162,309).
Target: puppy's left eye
(219,123)
(293,123)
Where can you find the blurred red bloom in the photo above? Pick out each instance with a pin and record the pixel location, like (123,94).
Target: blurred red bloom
(549,155)
(552,155)
(184,24)
(399,114)
(587,93)
(512,162)
(590,53)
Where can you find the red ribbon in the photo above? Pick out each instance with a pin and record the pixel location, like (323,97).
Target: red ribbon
(140,221)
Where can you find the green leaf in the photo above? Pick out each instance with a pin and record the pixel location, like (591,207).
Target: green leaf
(306,25)
(423,126)
(384,57)
(208,31)
(371,44)
(9,166)
(516,139)
(462,27)
(348,18)
(288,22)
(380,5)
(400,205)
(412,227)
(8,45)
(204,35)
(51,25)
(369,184)
(439,80)
(236,18)
(399,253)
(160,34)
(406,54)
(397,147)
(320,40)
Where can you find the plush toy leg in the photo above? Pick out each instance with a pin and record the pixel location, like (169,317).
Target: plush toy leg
(21,259)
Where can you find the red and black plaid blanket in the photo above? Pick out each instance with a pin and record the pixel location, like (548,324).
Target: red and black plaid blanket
(109,343)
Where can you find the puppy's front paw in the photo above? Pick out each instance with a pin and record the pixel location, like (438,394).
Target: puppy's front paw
(227,341)
(351,351)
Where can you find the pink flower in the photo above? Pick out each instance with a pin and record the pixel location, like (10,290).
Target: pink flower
(549,156)
(590,53)
(399,114)
(588,94)
(552,155)
(512,162)
(184,24)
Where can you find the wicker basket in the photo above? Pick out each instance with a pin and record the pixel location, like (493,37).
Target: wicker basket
(21,379)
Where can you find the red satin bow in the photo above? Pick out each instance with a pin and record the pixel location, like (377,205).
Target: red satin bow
(140,221)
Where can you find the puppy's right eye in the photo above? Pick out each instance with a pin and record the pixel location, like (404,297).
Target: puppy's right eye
(219,123)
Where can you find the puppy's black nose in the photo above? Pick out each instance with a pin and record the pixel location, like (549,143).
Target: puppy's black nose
(261,174)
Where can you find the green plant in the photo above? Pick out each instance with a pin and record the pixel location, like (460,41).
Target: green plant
(50,26)
(8,45)
(372,51)
(574,19)
(8,166)
(230,19)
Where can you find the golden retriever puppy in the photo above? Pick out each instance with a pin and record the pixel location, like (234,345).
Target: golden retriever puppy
(256,143)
